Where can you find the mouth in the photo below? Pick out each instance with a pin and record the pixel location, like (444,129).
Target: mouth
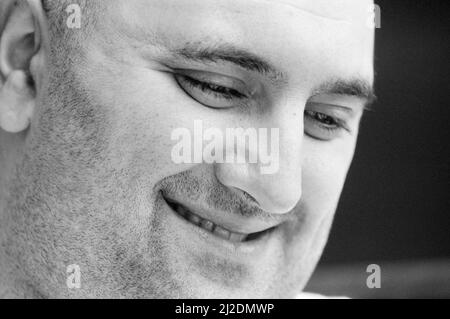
(214,228)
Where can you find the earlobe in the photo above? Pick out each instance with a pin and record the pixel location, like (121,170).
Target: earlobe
(17,103)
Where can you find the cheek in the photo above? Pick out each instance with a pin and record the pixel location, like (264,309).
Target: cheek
(144,115)
(141,112)
(325,167)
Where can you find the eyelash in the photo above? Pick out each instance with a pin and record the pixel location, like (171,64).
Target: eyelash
(323,118)
(331,125)
(323,122)
(214,89)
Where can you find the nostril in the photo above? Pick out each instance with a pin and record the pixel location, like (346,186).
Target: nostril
(252,200)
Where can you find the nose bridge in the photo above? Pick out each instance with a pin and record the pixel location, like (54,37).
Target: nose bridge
(274,181)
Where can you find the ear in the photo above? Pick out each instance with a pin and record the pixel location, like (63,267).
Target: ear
(21,62)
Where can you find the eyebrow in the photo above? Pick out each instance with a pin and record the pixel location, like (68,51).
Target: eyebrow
(357,87)
(230,54)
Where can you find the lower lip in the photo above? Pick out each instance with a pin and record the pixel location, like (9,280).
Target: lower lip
(257,247)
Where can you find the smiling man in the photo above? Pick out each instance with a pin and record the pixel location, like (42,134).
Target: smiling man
(87,115)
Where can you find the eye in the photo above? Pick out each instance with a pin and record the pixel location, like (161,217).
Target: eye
(216,92)
(322,126)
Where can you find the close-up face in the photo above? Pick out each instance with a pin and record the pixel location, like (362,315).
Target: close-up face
(95,181)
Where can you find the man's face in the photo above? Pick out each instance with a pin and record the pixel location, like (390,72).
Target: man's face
(99,185)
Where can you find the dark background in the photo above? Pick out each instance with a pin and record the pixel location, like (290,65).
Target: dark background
(395,206)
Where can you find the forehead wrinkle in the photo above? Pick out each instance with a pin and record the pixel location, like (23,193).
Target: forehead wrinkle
(302,10)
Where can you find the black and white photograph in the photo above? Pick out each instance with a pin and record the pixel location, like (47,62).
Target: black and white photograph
(246,151)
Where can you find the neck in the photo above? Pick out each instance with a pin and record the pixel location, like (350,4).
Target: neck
(9,289)
(13,281)
(13,288)
(12,284)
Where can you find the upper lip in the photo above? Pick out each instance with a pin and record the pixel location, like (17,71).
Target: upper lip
(231,221)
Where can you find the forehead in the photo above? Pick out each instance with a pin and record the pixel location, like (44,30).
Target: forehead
(334,9)
(303,35)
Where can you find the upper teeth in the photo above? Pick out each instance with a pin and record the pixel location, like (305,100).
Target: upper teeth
(210,226)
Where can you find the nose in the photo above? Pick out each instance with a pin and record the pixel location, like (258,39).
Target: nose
(275,184)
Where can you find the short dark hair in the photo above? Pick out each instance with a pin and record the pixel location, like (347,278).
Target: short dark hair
(64,40)
(57,17)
